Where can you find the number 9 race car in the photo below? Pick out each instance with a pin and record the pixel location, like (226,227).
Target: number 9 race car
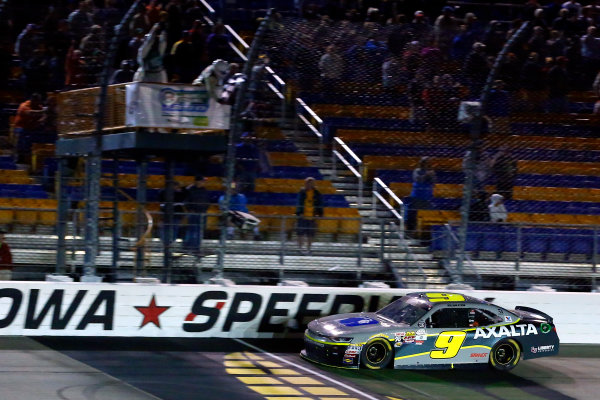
(431,331)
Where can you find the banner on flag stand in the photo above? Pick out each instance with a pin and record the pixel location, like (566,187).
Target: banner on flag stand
(174,106)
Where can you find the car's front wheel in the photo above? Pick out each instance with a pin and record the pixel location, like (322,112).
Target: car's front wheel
(505,355)
(377,353)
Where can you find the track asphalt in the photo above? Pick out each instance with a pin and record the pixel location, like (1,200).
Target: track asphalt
(215,369)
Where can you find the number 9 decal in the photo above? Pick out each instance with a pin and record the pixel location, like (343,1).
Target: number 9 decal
(449,344)
(438,297)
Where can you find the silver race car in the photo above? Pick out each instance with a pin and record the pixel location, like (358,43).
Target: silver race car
(431,331)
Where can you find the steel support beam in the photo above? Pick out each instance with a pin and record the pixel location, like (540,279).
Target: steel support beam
(61,219)
(140,220)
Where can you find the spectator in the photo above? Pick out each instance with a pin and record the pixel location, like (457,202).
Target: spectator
(533,82)
(476,68)
(422,192)
(217,43)
(123,74)
(184,60)
(6,263)
(504,168)
(416,88)
(238,202)
(479,211)
(150,57)
(445,27)
(391,72)
(80,20)
(308,206)
(482,164)
(29,122)
(331,66)
(212,78)
(179,197)
(74,68)
(140,21)
(134,45)
(26,43)
(497,209)
(558,87)
(441,102)
(247,158)
(590,53)
(196,204)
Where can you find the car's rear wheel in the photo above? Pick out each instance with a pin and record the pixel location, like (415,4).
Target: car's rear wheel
(505,355)
(376,354)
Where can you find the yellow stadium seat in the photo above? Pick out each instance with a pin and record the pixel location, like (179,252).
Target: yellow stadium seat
(48,215)
(349,226)
(26,217)
(401,189)
(7,213)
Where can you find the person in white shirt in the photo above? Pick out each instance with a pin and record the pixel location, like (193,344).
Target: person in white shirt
(497,209)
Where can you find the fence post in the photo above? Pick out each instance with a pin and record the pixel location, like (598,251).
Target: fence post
(62,215)
(282,240)
(519,247)
(360,241)
(381,240)
(595,250)
(360,185)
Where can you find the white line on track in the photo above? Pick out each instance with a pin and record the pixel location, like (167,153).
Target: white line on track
(325,377)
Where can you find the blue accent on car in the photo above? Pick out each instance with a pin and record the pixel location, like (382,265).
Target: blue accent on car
(358,321)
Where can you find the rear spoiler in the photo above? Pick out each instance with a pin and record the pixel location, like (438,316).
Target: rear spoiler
(534,311)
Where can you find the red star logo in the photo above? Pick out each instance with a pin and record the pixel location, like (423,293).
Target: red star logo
(151,313)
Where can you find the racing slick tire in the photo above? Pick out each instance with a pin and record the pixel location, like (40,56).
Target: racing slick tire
(376,354)
(505,355)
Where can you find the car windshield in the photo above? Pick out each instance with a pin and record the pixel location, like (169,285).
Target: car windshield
(407,310)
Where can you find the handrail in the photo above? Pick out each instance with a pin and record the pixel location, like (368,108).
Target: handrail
(399,214)
(316,130)
(358,174)
(207,6)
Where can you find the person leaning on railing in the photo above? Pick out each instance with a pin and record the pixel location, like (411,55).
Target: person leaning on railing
(6,264)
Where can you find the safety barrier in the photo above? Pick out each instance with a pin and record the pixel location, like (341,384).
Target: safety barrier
(111,310)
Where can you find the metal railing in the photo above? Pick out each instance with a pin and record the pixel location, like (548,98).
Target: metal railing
(313,122)
(397,213)
(397,226)
(457,275)
(351,161)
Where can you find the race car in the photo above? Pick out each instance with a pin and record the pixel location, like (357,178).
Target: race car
(431,331)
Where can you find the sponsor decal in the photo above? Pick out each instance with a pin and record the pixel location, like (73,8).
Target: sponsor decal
(507,318)
(421,324)
(60,312)
(348,360)
(479,355)
(542,349)
(421,332)
(353,350)
(151,313)
(506,331)
(545,328)
(358,321)
(500,311)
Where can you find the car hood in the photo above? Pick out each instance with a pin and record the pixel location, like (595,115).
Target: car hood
(351,324)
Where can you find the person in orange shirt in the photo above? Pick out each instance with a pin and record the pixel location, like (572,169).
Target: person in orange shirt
(309,206)
(30,119)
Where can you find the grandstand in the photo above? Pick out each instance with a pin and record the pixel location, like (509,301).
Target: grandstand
(335,117)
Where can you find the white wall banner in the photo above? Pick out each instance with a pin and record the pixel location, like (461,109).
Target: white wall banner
(137,310)
(174,106)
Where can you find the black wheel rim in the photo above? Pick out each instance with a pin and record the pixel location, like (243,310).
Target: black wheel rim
(505,354)
(376,353)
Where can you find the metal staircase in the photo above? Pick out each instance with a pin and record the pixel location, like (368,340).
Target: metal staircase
(410,262)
